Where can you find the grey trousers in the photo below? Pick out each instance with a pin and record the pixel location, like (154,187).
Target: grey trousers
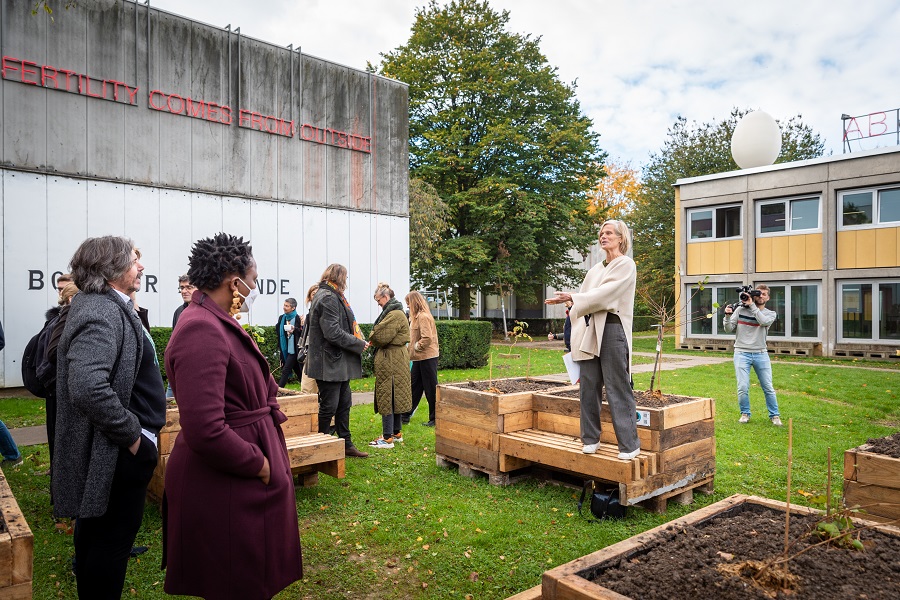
(609,369)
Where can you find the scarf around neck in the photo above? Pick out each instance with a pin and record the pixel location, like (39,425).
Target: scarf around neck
(357,332)
(282,336)
(392,304)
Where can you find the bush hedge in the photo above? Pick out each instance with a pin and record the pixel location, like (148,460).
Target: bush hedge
(463,344)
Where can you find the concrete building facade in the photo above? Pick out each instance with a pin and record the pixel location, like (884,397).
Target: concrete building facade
(823,234)
(122,119)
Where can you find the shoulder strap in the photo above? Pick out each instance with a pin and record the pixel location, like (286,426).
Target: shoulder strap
(584,492)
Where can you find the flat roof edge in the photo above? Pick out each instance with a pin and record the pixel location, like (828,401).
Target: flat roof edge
(790,165)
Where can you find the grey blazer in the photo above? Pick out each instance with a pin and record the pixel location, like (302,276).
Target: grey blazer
(335,354)
(97,363)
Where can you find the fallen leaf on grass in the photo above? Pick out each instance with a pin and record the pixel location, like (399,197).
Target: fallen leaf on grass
(473,576)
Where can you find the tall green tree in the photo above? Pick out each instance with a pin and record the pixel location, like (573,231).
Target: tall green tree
(691,150)
(505,145)
(427,224)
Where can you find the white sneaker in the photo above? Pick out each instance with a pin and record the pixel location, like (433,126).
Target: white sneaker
(776,421)
(589,448)
(629,455)
(745,418)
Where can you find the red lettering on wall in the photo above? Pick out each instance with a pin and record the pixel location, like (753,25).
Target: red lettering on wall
(45,76)
(26,71)
(852,126)
(8,65)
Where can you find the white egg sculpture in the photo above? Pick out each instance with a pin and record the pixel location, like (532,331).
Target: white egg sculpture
(756,141)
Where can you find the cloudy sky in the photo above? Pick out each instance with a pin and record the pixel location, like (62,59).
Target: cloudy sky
(641,63)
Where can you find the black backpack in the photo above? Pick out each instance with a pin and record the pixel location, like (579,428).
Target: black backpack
(38,373)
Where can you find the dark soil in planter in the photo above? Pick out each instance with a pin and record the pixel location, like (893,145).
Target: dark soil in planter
(642,398)
(685,563)
(889,446)
(508,386)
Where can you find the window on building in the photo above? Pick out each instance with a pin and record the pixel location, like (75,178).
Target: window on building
(796,215)
(701,304)
(870,207)
(797,307)
(870,310)
(715,223)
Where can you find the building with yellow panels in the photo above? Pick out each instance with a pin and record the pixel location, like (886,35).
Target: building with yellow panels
(823,234)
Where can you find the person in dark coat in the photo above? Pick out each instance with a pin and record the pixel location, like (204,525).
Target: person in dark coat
(229,515)
(566,335)
(110,407)
(336,345)
(289,331)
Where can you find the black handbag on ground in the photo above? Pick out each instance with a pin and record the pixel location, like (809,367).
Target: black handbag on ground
(604,502)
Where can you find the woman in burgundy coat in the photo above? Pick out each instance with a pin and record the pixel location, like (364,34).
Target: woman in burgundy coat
(229,513)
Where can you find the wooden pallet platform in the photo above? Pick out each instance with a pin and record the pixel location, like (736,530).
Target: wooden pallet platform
(467,469)
(313,454)
(872,483)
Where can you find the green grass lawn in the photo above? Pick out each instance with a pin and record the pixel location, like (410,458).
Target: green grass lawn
(399,526)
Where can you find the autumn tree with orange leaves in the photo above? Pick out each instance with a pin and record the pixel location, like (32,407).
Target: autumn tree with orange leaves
(614,196)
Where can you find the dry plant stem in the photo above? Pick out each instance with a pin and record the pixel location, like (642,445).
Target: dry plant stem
(790,461)
(828,487)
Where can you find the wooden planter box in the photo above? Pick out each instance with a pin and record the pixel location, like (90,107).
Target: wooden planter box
(872,483)
(309,451)
(16,547)
(578,579)
(469,421)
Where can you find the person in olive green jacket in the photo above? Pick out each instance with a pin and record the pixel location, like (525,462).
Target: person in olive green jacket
(393,392)
(423,355)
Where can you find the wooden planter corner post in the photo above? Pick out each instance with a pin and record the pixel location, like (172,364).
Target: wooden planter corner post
(872,483)
(16,548)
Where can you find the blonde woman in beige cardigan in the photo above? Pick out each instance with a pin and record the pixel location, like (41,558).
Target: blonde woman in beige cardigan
(423,352)
(602,314)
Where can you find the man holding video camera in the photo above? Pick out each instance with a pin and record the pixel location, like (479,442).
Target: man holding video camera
(751,320)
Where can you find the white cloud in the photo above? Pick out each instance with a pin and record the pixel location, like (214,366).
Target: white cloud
(639,63)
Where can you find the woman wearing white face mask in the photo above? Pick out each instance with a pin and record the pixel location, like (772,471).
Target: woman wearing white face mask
(229,497)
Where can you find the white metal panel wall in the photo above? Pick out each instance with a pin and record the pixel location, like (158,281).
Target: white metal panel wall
(142,226)
(24,257)
(45,217)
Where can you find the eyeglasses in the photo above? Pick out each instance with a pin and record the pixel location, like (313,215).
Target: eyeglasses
(181,288)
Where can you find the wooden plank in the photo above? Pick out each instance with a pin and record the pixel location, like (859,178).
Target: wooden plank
(301,404)
(466,416)
(878,469)
(6,560)
(167,441)
(299,425)
(21,591)
(559,405)
(687,412)
(21,540)
(665,481)
(479,457)
(850,465)
(876,500)
(559,423)
(574,587)
(463,434)
(553,452)
(671,437)
(313,449)
(649,439)
(496,404)
(511,463)
(676,458)
(517,421)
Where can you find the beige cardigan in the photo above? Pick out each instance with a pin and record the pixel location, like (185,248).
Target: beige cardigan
(606,289)
(423,340)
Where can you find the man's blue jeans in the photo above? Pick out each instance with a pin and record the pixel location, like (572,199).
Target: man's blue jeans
(763,367)
(8,447)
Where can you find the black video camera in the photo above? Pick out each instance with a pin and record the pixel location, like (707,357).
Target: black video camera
(745,293)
